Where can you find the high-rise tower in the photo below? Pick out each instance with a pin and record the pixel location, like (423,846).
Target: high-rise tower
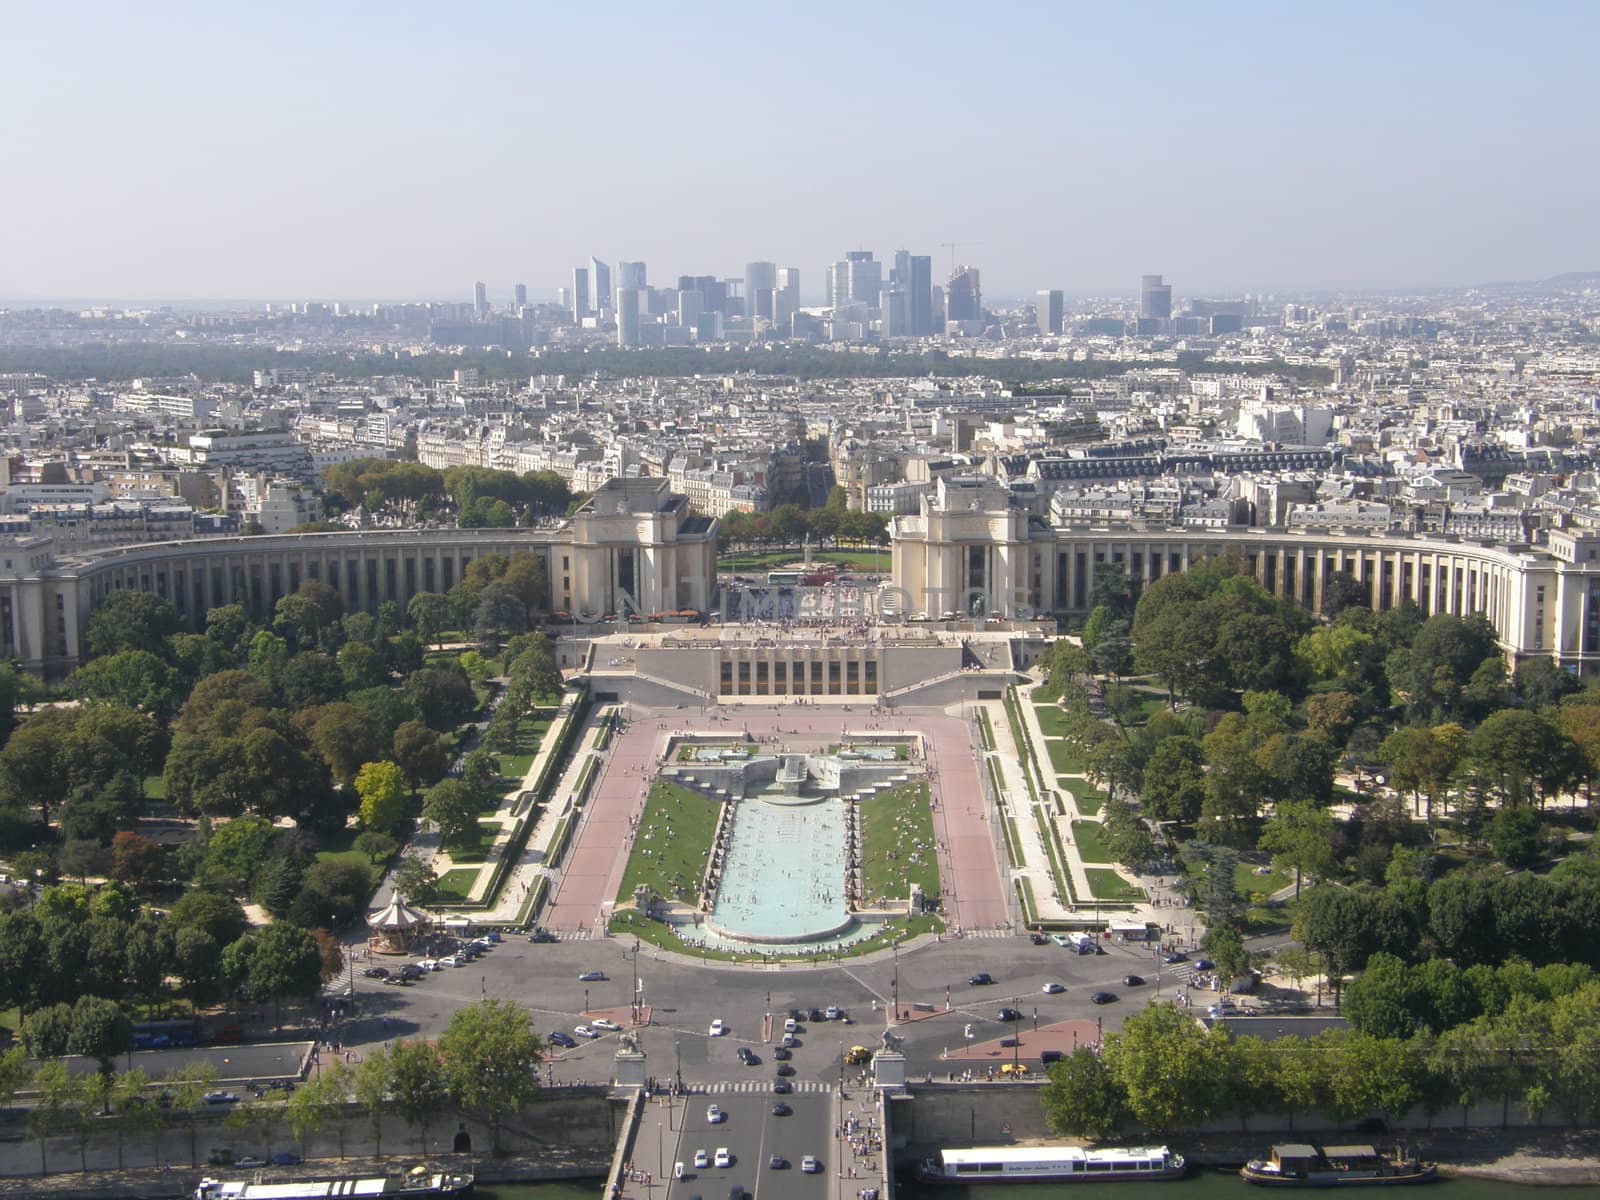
(599,284)
(1051,310)
(1155,299)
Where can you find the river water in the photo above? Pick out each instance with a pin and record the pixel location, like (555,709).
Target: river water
(1206,1185)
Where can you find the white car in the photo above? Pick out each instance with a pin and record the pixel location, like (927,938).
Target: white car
(428,964)
(790,1025)
(584,1031)
(700,1159)
(810,1165)
(722,1158)
(714,1114)
(1053,989)
(458,960)
(605,1023)
(717,1028)
(831,1013)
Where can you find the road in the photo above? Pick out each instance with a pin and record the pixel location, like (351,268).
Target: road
(752,1133)
(684,995)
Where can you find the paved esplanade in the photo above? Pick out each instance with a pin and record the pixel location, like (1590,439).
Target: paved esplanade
(974,896)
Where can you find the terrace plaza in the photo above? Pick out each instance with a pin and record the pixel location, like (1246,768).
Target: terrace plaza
(974,895)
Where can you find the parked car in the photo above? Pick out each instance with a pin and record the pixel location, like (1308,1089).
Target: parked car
(1038,939)
(376,973)
(543,936)
(833,1013)
(584,1031)
(397,981)
(221,1098)
(605,1023)
(564,1040)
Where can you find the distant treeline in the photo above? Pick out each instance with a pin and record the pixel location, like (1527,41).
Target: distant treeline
(235,364)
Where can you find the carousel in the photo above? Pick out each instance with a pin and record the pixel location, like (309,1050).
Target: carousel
(396,927)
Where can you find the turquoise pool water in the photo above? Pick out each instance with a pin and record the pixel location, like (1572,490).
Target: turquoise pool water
(783,881)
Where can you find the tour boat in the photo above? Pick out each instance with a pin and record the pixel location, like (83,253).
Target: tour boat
(417,1182)
(1297,1164)
(1049,1164)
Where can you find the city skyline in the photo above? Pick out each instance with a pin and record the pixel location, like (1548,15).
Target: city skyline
(1430,146)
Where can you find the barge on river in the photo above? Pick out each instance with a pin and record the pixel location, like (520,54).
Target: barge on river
(1049,1164)
(418,1184)
(1305,1166)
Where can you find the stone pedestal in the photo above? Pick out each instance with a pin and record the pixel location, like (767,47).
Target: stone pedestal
(628,1070)
(889,1069)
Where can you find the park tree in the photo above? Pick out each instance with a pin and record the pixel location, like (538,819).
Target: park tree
(382,789)
(1379,1001)
(1301,838)
(1434,672)
(418,1086)
(421,754)
(332,894)
(1173,786)
(1082,1099)
(371,1088)
(413,879)
(212,913)
(491,1057)
(1517,756)
(136,860)
(136,679)
(1168,1067)
(129,620)
(343,736)
(285,964)
(1514,834)
(197,961)
(453,808)
(431,614)
(376,846)
(440,696)
(100,1030)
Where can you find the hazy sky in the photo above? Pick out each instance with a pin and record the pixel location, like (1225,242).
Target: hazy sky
(347,150)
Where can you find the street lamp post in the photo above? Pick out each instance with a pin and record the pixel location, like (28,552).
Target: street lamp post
(586,1002)
(1016,1036)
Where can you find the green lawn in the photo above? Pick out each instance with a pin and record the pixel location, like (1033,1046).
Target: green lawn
(897,844)
(1246,881)
(514,767)
(454,884)
(1106,884)
(1064,757)
(335,847)
(669,855)
(1052,721)
(1090,837)
(1089,798)
(155,787)
(475,849)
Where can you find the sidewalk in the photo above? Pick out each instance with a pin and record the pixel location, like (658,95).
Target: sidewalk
(1035,857)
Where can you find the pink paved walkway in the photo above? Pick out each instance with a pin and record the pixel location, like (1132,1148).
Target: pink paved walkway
(975,892)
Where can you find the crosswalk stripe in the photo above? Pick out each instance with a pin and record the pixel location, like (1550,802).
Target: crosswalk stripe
(723,1087)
